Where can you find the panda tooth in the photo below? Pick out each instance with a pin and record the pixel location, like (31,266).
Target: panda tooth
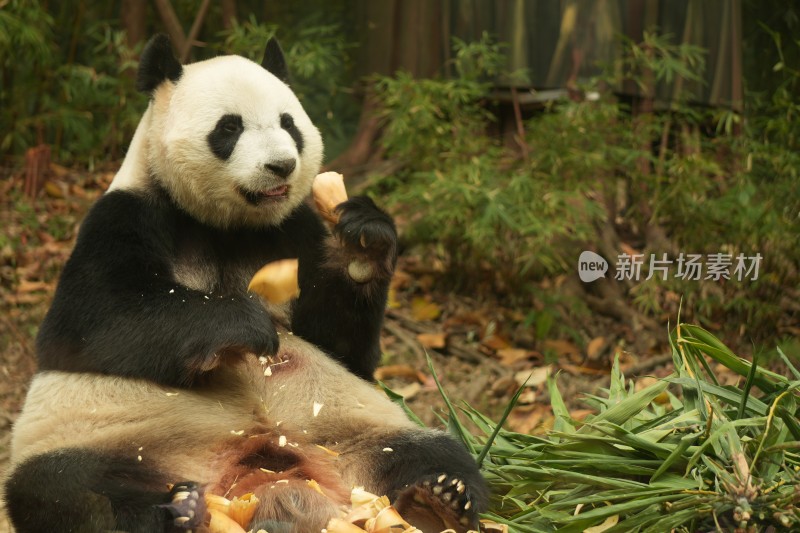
(460,487)
(468,505)
(441,478)
(447,496)
(455,481)
(181,520)
(437,490)
(180,496)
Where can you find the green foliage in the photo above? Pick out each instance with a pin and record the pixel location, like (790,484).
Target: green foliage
(52,96)
(656,60)
(683,454)
(70,84)
(588,165)
(469,193)
(319,65)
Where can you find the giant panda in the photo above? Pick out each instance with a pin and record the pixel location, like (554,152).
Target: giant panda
(214,185)
(162,380)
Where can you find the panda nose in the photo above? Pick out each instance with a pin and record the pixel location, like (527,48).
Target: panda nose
(282,167)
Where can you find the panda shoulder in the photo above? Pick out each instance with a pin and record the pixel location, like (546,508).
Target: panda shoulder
(120,212)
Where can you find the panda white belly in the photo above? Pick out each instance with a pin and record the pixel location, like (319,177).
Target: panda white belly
(266,428)
(300,394)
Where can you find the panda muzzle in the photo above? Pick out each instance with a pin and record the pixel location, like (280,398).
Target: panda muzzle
(278,193)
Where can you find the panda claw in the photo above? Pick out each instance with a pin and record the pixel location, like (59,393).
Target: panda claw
(187,505)
(444,497)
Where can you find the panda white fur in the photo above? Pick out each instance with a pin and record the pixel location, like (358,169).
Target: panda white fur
(148,370)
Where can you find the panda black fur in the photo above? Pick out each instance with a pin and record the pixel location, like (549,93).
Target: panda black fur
(214,186)
(143,383)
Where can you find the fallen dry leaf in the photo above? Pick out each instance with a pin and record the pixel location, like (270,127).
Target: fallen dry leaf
(400,279)
(526,418)
(561,347)
(535,377)
(509,356)
(392,302)
(435,341)
(596,347)
(609,522)
(26,286)
(383,373)
(424,309)
(408,391)
(53,189)
(495,342)
(588,370)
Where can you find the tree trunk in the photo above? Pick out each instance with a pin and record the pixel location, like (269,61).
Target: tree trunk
(228,13)
(194,31)
(172,25)
(134,18)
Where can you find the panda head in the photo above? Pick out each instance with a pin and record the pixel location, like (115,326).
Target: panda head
(226,137)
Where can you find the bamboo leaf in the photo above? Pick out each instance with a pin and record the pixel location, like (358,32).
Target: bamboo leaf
(399,400)
(676,454)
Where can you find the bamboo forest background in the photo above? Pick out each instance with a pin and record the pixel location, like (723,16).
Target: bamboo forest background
(506,136)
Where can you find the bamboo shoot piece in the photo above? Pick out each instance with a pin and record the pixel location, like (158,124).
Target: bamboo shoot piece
(231,516)
(328,192)
(276,282)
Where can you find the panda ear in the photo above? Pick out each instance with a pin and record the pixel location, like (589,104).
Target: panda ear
(157,64)
(274,61)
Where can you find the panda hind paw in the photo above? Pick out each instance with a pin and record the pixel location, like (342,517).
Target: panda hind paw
(439,501)
(187,505)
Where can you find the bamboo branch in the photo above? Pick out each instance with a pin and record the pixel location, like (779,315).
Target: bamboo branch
(194,31)
(171,24)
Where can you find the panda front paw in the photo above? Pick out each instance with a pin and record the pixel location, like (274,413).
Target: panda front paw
(239,335)
(442,501)
(187,505)
(368,237)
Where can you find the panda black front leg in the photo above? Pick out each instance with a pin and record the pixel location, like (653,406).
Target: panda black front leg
(345,284)
(119,309)
(369,240)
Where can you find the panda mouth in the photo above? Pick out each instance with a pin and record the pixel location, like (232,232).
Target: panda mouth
(276,194)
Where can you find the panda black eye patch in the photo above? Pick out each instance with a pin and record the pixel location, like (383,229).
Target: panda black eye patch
(222,139)
(287,123)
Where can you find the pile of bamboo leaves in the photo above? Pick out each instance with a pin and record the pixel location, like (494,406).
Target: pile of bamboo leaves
(684,454)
